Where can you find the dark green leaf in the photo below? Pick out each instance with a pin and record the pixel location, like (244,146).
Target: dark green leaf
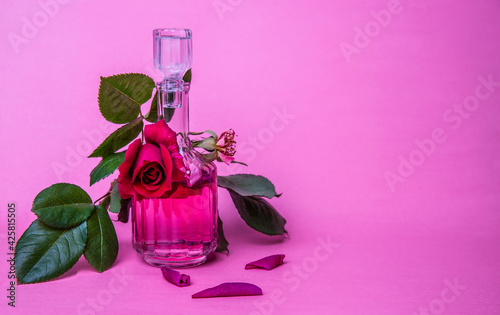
(102,244)
(152,116)
(124,210)
(222,242)
(248,185)
(62,205)
(121,96)
(119,138)
(44,253)
(168,113)
(259,214)
(105,202)
(187,76)
(106,167)
(115,199)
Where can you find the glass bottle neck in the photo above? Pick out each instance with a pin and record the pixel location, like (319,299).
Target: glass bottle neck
(175,113)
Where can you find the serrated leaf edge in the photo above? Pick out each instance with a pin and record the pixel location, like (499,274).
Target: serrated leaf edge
(95,170)
(138,119)
(64,271)
(274,187)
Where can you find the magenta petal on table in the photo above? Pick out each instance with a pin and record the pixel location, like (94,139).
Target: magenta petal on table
(268,263)
(229,289)
(176,277)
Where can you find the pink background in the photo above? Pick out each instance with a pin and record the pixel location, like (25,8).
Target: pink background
(351,116)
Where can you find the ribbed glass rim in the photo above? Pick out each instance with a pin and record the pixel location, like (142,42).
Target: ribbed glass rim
(172,32)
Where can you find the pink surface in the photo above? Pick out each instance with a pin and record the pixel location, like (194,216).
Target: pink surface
(378,126)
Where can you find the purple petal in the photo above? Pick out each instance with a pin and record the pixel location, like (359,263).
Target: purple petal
(269,262)
(229,289)
(175,277)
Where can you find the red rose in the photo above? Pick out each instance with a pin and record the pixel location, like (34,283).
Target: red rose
(150,169)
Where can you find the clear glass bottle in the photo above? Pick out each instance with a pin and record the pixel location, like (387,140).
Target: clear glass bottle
(181,230)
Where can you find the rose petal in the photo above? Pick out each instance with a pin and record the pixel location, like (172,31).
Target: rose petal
(229,289)
(175,277)
(152,174)
(226,158)
(167,162)
(221,141)
(149,171)
(182,192)
(147,153)
(160,133)
(268,263)
(125,183)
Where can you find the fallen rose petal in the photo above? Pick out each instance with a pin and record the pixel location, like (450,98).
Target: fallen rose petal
(175,277)
(269,262)
(229,289)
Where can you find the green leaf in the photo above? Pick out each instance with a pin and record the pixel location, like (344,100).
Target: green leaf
(168,113)
(102,244)
(124,210)
(115,201)
(259,214)
(187,76)
(62,205)
(44,253)
(106,167)
(119,138)
(210,132)
(222,242)
(152,116)
(121,96)
(248,185)
(105,202)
